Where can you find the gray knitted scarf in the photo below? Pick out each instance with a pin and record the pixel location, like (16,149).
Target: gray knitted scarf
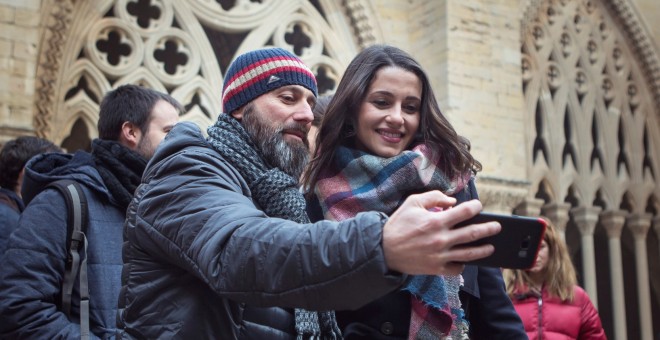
(277,194)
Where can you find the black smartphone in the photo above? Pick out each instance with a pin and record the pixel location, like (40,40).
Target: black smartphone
(516,245)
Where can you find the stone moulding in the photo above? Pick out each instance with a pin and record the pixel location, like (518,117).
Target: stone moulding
(501,195)
(56,15)
(361,22)
(642,44)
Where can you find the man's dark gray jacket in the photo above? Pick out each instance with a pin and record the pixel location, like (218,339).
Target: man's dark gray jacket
(202,261)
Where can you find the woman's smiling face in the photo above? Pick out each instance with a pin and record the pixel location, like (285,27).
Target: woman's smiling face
(390,112)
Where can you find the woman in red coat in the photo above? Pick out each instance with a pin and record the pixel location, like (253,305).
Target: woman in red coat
(548,299)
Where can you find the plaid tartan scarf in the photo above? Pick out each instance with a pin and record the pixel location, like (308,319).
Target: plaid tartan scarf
(278,195)
(358,181)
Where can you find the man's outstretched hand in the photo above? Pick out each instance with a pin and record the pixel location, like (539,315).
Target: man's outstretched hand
(418,239)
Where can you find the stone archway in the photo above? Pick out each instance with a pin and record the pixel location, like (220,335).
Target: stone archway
(180,47)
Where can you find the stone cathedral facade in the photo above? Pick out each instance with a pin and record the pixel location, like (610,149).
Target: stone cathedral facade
(560,98)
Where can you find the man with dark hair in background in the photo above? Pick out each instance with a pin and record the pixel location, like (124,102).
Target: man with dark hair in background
(132,122)
(15,153)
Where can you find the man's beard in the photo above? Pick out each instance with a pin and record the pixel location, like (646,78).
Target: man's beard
(144,147)
(290,157)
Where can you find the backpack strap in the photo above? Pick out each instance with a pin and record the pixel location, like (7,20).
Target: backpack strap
(77,220)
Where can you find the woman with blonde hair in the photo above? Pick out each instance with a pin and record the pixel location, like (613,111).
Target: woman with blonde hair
(547,297)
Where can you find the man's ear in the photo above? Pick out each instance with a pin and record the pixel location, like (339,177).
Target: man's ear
(19,183)
(238,113)
(130,135)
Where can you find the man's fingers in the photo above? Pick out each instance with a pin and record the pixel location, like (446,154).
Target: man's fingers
(460,212)
(419,238)
(474,232)
(431,199)
(467,254)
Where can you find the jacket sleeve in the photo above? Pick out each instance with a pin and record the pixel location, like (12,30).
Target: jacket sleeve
(591,327)
(196,212)
(31,274)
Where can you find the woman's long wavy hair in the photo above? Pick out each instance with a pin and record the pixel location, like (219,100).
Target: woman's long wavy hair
(339,121)
(559,277)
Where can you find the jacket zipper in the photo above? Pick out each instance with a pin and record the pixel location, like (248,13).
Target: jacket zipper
(539,330)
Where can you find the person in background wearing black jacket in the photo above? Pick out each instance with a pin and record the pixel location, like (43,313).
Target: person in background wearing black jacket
(132,121)
(15,153)
(383,138)
(218,244)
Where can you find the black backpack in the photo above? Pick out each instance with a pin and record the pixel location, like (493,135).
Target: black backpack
(77,220)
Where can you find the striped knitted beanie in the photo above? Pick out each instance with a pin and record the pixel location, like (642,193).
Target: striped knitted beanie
(257,72)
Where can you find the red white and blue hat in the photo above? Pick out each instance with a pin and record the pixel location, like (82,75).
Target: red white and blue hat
(257,72)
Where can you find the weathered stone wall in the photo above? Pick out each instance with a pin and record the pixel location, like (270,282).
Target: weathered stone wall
(19,39)
(471,52)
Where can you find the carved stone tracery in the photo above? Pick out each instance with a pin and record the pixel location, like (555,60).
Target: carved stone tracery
(625,15)
(593,108)
(590,80)
(173,46)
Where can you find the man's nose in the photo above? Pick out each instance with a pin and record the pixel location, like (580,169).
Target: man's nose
(304,113)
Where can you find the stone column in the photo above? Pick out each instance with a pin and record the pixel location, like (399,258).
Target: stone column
(586,218)
(558,214)
(656,227)
(613,221)
(639,224)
